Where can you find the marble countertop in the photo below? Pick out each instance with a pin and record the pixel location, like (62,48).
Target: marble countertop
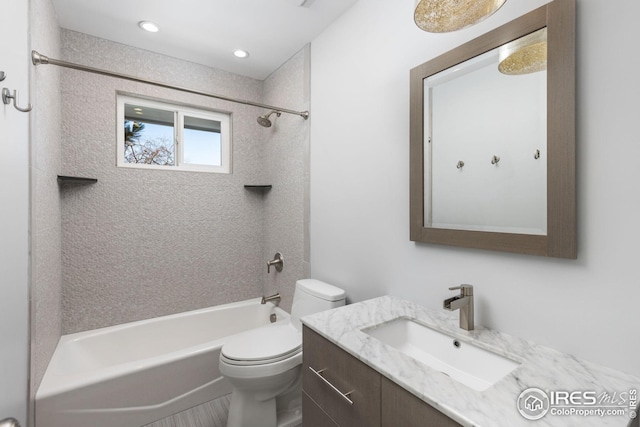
(542,367)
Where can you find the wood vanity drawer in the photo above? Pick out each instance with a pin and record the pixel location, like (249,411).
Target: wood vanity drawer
(401,408)
(339,369)
(313,415)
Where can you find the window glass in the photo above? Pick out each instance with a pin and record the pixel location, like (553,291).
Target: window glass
(161,135)
(202,141)
(149,136)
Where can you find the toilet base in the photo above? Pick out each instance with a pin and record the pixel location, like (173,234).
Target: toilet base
(257,409)
(289,406)
(267,413)
(245,411)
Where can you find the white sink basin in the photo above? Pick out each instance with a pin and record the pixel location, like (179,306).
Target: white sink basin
(473,366)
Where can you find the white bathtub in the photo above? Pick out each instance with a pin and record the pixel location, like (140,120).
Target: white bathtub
(133,374)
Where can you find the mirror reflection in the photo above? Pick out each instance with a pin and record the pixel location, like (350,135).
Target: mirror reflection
(485,141)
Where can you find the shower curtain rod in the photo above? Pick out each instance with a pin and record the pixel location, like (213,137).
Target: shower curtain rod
(39,59)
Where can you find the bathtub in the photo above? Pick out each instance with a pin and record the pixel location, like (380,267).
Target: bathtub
(133,374)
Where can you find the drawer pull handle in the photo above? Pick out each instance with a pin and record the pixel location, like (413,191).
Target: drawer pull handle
(344,396)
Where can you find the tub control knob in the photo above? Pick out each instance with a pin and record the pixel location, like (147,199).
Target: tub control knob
(9,422)
(277,261)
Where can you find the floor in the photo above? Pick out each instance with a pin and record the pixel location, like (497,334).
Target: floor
(210,414)
(214,414)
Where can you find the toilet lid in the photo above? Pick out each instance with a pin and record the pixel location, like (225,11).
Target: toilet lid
(263,345)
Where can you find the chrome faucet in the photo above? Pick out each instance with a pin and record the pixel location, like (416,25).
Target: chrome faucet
(463,302)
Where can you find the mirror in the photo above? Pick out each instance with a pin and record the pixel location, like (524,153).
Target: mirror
(493,139)
(489,174)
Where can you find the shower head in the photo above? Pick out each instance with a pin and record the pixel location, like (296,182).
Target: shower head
(264,121)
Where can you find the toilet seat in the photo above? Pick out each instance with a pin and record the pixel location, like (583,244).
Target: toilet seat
(231,369)
(261,346)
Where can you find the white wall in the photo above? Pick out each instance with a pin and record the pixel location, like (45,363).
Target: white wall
(360,183)
(46,164)
(14,214)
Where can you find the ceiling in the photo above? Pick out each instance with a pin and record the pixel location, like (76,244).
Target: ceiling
(208,31)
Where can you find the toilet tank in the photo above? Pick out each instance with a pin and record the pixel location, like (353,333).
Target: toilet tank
(312,296)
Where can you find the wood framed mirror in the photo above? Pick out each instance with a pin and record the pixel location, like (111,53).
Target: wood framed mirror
(437,202)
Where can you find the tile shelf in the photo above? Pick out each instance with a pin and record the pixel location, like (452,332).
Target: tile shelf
(262,188)
(64,179)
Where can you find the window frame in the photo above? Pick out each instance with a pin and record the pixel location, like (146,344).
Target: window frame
(179,112)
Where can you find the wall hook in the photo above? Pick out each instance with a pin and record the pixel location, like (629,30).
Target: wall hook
(2,76)
(537,155)
(495,160)
(460,164)
(6,96)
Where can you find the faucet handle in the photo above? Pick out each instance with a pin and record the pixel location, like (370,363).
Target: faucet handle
(277,261)
(465,290)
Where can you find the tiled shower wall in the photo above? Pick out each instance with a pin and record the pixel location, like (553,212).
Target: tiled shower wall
(145,243)
(287,169)
(46,258)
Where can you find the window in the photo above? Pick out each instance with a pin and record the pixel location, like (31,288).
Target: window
(158,135)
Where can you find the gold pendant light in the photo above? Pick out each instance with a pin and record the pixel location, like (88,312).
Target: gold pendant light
(525,55)
(442,16)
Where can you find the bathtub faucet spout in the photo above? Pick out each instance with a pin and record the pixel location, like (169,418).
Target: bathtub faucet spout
(274,297)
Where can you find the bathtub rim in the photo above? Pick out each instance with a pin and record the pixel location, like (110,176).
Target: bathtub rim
(53,384)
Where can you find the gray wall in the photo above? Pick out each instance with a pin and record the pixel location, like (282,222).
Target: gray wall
(287,169)
(46,242)
(145,243)
(360,183)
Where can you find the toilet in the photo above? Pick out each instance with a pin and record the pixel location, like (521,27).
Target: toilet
(263,364)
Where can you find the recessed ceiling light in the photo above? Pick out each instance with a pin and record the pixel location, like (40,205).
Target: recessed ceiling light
(239,53)
(148,26)
(137,109)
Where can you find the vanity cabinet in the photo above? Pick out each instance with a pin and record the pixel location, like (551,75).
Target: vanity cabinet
(329,373)
(336,373)
(313,415)
(401,408)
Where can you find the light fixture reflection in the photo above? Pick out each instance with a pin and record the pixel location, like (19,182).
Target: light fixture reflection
(525,55)
(442,16)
